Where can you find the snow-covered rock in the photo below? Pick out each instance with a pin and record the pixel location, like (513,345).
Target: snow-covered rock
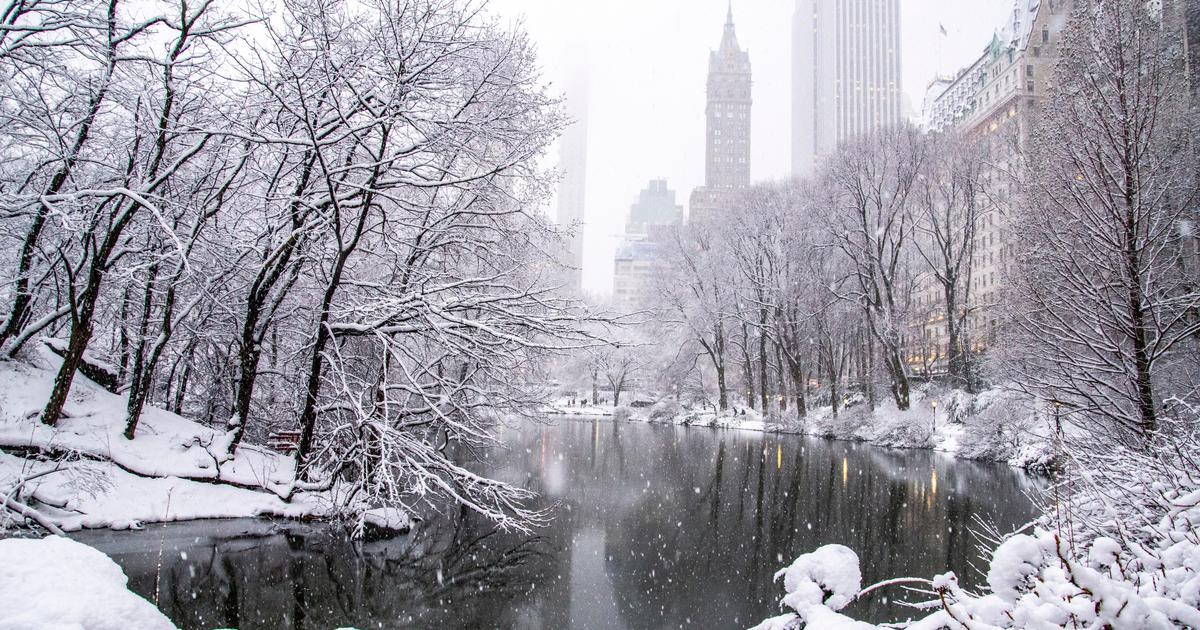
(386,522)
(59,584)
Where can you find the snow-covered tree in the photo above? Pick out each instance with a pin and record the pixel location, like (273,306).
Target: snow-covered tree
(950,204)
(872,183)
(1104,310)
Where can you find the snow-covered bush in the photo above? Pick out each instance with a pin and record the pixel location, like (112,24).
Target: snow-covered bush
(1119,549)
(819,584)
(666,411)
(622,413)
(1033,582)
(1002,425)
(905,430)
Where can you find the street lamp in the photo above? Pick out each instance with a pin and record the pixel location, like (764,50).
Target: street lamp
(934,404)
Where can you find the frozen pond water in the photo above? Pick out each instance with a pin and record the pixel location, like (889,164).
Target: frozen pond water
(655,527)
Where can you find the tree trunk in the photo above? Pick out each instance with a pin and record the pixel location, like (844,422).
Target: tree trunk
(800,387)
(139,380)
(747,366)
(834,390)
(595,387)
(781,375)
(719,365)
(81,335)
(764,378)
(868,368)
(955,360)
(1147,415)
(899,377)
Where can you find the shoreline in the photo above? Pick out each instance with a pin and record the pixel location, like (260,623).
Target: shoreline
(948,445)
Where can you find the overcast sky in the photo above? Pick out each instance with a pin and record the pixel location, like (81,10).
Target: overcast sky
(647,65)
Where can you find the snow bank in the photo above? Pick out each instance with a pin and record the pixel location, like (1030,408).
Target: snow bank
(173,470)
(98,494)
(562,407)
(166,445)
(994,425)
(59,584)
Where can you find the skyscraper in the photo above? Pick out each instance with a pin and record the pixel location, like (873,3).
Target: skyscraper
(727,137)
(572,188)
(845,74)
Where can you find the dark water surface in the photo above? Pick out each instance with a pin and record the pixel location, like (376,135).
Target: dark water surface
(655,527)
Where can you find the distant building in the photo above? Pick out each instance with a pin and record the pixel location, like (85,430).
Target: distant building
(651,218)
(572,189)
(655,206)
(633,269)
(845,74)
(727,136)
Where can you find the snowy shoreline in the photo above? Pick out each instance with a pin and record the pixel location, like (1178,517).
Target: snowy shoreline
(1022,442)
(84,474)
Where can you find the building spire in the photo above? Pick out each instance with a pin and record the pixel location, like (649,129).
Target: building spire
(729,41)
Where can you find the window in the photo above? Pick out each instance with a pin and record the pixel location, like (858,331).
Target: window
(1045,36)
(1029,70)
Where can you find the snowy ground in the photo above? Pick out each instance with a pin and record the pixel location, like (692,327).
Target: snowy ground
(563,408)
(994,425)
(171,471)
(58,584)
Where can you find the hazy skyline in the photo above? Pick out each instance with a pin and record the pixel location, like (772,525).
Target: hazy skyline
(648,64)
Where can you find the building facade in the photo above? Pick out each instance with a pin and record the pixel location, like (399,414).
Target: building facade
(845,74)
(993,100)
(727,134)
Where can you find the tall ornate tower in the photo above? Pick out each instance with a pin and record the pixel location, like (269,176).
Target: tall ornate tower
(727,153)
(728,140)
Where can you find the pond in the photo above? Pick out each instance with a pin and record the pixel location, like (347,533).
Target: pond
(655,526)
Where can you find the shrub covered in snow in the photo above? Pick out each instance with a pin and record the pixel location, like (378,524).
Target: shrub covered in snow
(999,424)
(1120,549)
(818,584)
(1033,582)
(665,411)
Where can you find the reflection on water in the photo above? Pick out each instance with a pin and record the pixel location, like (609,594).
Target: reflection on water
(655,527)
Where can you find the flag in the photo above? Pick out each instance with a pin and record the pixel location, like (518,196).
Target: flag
(943,30)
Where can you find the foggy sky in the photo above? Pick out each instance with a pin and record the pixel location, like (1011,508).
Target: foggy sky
(647,63)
